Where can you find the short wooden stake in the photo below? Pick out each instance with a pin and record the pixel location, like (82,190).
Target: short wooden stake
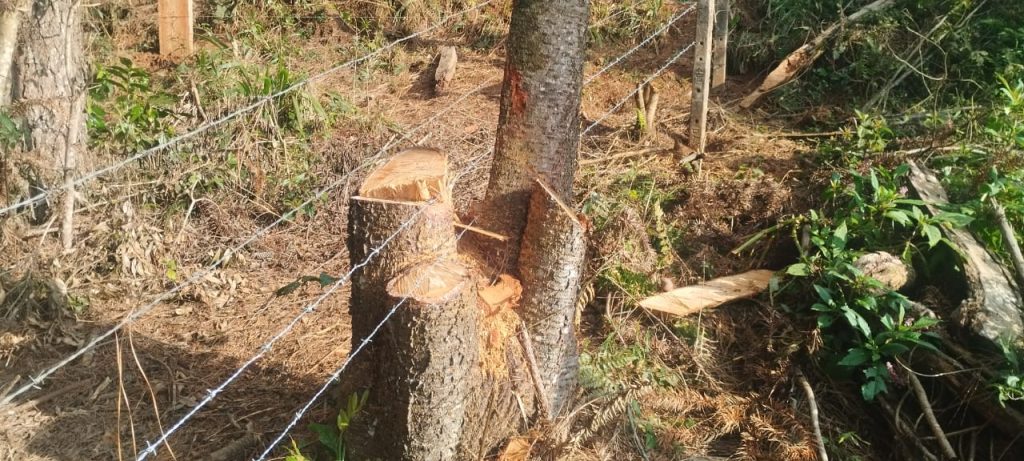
(701,76)
(175,23)
(721,42)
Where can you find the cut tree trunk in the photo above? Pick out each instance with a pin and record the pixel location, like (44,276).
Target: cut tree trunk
(538,125)
(47,84)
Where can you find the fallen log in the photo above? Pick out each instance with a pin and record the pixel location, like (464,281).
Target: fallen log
(991,310)
(695,298)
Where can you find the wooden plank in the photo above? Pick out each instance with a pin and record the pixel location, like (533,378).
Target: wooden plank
(721,42)
(175,20)
(701,76)
(695,298)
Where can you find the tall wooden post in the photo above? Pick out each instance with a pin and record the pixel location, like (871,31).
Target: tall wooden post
(701,76)
(721,42)
(175,23)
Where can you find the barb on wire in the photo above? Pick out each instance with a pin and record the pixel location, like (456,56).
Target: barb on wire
(337,373)
(629,96)
(214,123)
(645,41)
(36,380)
(151,448)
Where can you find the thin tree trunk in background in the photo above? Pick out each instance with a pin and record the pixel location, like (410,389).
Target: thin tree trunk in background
(10,23)
(48,80)
(538,126)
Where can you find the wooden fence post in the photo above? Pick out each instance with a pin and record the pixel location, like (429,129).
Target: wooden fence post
(721,42)
(175,20)
(701,76)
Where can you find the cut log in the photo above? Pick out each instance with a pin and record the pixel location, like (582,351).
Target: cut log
(885,268)
(447,58)
(992,308)
(695,298)
(804,56)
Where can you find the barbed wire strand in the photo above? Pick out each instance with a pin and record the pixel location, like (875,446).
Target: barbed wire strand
(151,448)
(337,373)
(629,96)
(647,40)
(34,381)
(238,112)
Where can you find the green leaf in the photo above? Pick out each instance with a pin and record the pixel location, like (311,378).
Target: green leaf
(934,235)
(798,270)
(925,322)
(839,236)
(325,280)
(893,349)
(872,388)
(288,289)
(327,435)
(825,320)
(954,219)
(824,293)
(899,216)
(855,357)
(857,321)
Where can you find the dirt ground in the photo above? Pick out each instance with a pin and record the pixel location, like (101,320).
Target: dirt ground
(115,399)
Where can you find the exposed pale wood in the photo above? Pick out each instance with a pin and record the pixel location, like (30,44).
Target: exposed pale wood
(518,449)
(651,113)
(701,75)
(992,309)
(175,21)
(484,232)
(692,299)
(804,56)
(429,283)
(447,59)
(505,291)
(721,43)
(415,175)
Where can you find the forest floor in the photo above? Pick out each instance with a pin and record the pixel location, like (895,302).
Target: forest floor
(719,384)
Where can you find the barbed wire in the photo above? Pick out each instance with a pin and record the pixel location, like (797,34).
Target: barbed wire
(647,40)
(151,448)
(238,112)
(629,96)
(338,372)
(34,381)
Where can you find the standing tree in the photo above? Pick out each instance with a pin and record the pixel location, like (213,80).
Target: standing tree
(473,346)
(42,84)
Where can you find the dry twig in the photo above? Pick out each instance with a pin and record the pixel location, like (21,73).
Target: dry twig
(815,423)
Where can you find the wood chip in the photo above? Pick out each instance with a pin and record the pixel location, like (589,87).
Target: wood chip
(692,299)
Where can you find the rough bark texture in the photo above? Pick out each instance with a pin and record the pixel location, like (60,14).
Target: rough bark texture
(992,309)
(551,262)
(538,125)
(48,78)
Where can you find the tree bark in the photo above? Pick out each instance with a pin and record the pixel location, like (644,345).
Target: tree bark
(538,125)
(47,84)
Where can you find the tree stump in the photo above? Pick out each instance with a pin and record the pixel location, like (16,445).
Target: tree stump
(417,368)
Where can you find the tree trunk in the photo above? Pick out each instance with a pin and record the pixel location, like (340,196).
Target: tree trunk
(46,89)
(448,377)
(538,126)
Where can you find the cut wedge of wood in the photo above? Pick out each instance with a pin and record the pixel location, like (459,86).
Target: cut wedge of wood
(694,298)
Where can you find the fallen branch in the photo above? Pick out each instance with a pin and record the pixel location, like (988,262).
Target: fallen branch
(695,298)
(815,424)
(621,155)
(929,416)
(908,432)
(531,360)
(804,56)
(1011,241)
